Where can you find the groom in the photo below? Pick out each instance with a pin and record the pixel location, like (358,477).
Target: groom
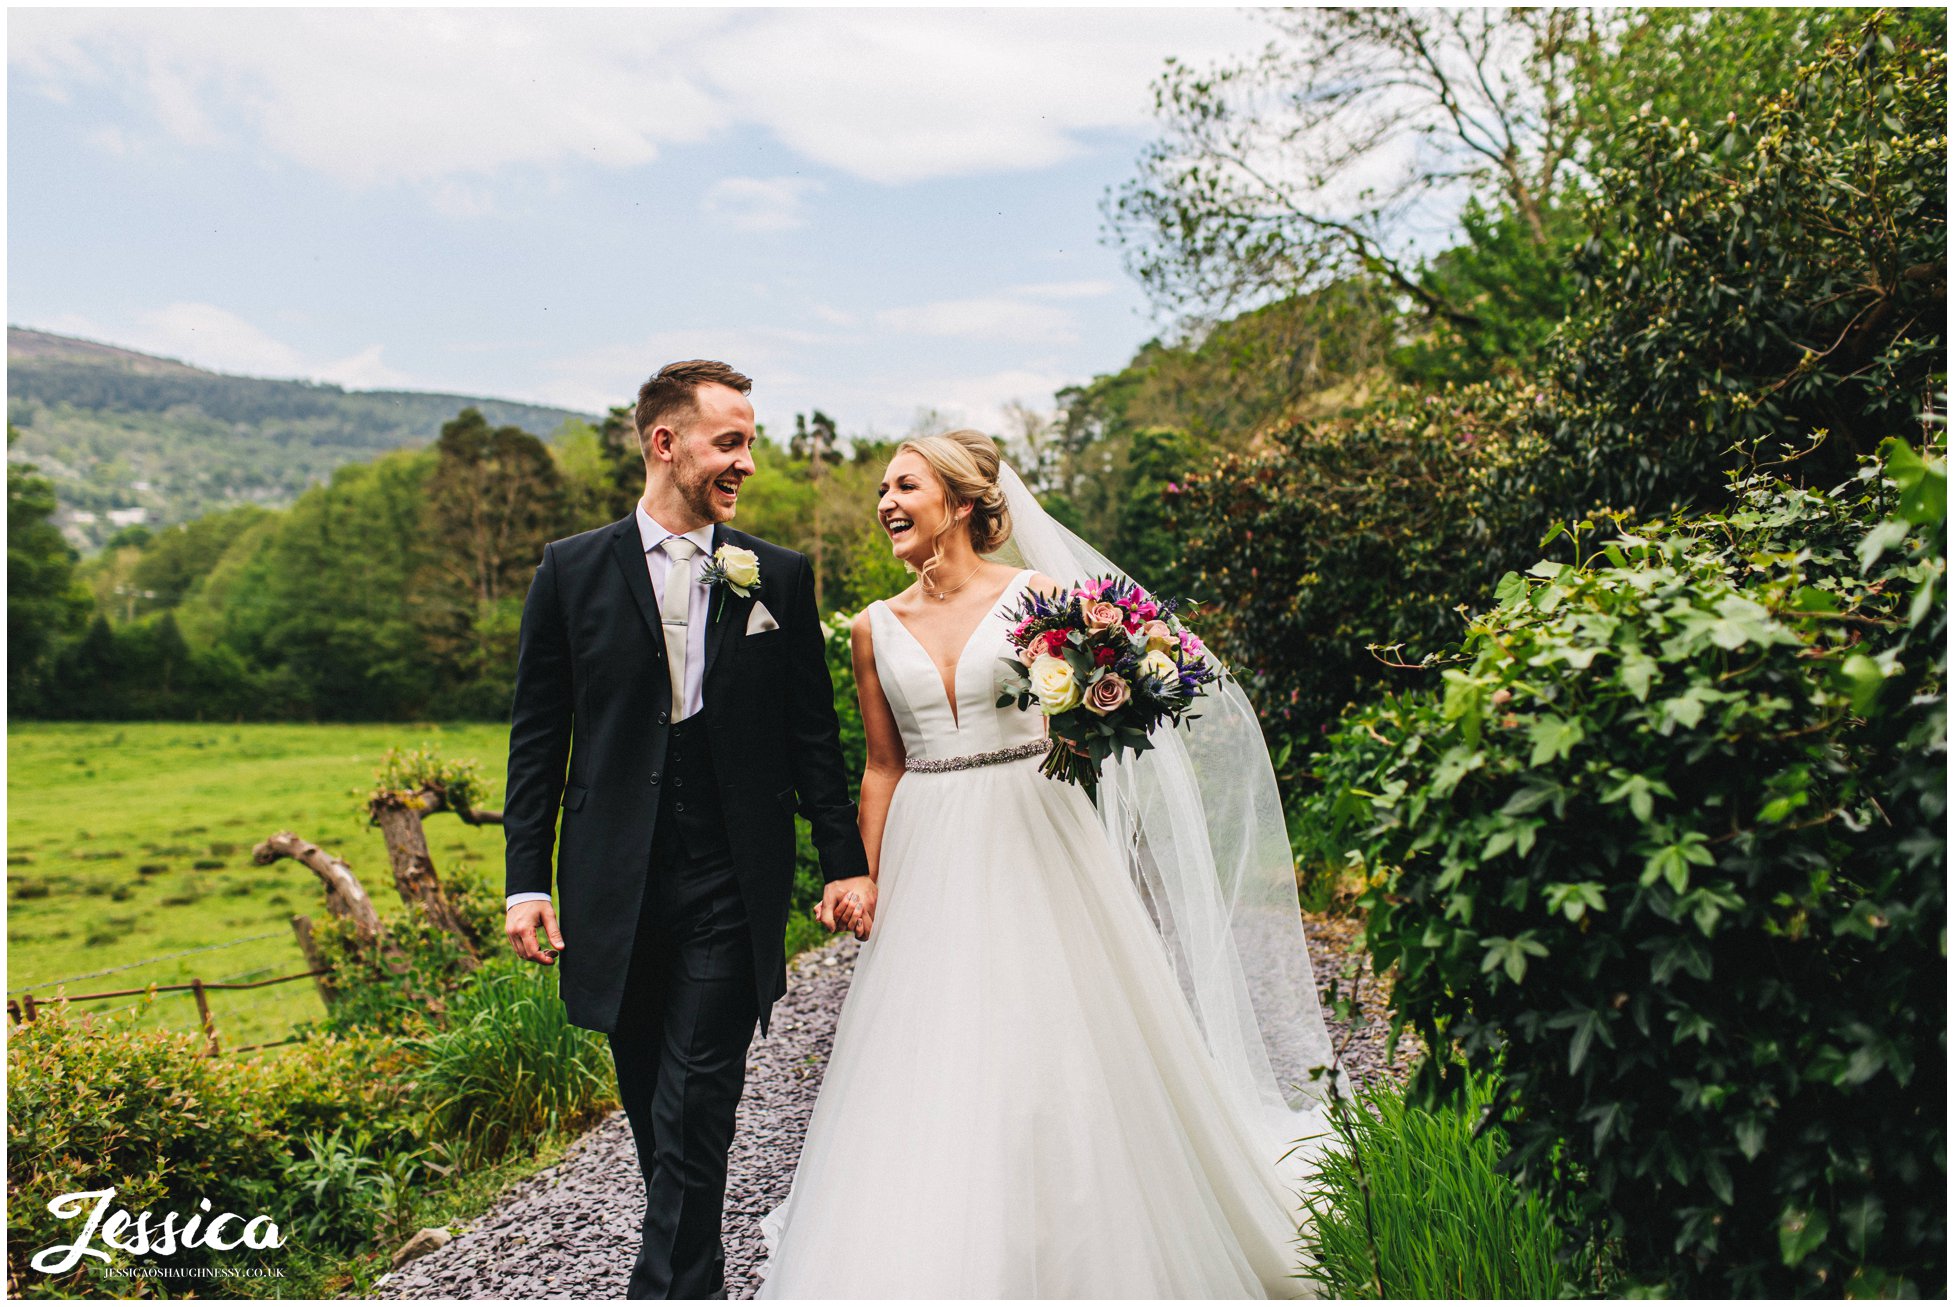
(693,720)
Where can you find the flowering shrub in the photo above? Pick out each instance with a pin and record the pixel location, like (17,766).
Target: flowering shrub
(1667,851)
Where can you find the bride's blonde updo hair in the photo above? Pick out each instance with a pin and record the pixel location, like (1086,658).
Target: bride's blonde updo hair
(967,463)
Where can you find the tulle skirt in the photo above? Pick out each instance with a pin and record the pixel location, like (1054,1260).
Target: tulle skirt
(1018,1103)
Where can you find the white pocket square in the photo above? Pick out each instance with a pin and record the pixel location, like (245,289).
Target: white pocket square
(760,619)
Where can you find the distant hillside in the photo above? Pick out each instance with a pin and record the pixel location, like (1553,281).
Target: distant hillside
(129,437)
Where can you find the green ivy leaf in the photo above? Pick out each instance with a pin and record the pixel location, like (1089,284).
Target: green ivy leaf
(1576,900)
(1553,737)
(1511,954)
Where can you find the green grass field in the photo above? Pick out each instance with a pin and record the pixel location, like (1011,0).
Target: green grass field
(128,843)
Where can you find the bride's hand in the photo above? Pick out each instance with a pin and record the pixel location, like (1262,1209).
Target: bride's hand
(848,905)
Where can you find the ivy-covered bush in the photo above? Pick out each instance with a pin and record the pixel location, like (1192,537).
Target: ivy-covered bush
(1767,283)
(1667,853)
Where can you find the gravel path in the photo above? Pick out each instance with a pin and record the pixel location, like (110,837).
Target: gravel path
(572,1230)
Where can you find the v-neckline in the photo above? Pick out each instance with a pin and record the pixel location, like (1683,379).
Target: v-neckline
(951,691)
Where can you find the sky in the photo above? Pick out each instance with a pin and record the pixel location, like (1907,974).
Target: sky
(870,211)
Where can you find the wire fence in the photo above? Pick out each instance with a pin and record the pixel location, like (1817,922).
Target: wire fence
(131,966)
(26,1006)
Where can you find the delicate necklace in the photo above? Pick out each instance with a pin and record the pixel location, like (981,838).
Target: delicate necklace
(945,594)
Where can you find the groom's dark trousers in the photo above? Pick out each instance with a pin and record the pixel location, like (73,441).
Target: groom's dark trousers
(683,1029)
(674,871)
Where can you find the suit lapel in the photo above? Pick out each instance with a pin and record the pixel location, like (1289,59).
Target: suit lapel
(627,546)
(726,610)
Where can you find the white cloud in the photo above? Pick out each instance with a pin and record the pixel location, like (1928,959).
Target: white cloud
(423,96)
(208,336)
(753,204)
(979,400)
(365,371)
(109,139)
(995,317)
(595,380)
(215,338)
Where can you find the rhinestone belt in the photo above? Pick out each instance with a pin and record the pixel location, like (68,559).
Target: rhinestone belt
(1012,754)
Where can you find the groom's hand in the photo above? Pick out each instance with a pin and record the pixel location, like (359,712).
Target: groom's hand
(848,904)
(520,923)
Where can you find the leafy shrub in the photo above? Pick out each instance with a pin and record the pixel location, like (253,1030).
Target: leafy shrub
(1669,847)
(1411,1205)
(405,982)
(1341,535)
(345,1193)
(1767,283)
(92,1103)
(510,1067)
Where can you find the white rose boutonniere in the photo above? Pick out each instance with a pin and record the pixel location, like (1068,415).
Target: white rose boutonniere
(732,568)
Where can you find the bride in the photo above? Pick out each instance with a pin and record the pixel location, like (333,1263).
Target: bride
(1075,1059)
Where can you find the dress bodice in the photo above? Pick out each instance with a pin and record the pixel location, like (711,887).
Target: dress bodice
(914,687)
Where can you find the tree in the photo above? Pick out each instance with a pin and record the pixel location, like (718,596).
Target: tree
(180,556)
(496,499)
(1261,184)
(45,604)
(815,441)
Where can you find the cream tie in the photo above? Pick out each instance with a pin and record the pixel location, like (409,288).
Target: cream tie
(673,611)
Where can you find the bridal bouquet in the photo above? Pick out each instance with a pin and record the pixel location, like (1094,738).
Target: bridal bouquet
(1107,663)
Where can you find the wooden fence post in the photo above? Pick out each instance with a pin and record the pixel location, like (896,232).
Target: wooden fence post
(203,1010)
(27,1007)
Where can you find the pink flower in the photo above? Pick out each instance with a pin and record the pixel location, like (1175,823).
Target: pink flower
(1107,694)
(1054,641)
(1148,610)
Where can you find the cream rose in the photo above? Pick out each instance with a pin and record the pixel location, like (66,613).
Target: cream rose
(1102,614)
(1055,685)
(1108,693)
(1159,664)
(1157,634)
(741,567)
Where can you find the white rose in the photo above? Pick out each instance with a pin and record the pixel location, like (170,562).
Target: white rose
(1055,685)
(741,567)
(1159,664)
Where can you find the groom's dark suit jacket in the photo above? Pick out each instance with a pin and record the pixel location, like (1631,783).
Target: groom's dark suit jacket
(593,696)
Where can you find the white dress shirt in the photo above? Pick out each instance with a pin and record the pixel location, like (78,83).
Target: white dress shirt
(652,536)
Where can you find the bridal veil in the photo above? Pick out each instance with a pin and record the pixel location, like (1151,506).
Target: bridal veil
(1201,826)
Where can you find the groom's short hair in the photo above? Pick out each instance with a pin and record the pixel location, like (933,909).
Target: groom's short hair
(673,391)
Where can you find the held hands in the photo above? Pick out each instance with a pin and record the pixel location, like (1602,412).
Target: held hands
(847,904)
(520,924)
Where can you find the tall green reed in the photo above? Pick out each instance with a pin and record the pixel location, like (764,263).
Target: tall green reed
(510,1066)
(1408,1205)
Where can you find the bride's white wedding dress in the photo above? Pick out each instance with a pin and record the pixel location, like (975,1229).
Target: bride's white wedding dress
(1018,1103)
